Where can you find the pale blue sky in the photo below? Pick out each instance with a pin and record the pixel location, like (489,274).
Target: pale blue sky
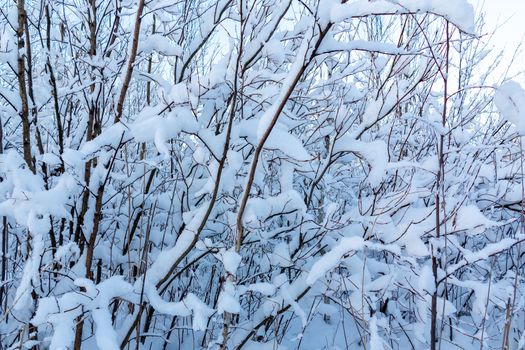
(509,15)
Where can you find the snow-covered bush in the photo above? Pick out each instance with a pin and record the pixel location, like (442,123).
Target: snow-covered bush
(270,174)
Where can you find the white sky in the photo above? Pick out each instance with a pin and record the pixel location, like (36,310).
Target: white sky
(509,17)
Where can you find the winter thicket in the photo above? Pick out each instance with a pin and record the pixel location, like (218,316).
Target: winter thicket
(258,174)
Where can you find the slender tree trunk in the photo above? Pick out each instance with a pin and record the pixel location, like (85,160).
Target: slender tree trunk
(131,62)
(440,177)
(21,74)
(5,244)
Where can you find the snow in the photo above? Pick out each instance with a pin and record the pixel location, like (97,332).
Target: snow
(333,257)
(330,45)
(62,312)
(267,289)
(105,335)
(281,255)
(293,146)
(262,40)
(64,250)
(374,152)
(509,98)
(63,323)
(471,219)
(190,305)
(485,253)
(228,299)
(259,209)
(375,340)
(459,12)
(201,312)
(230,259)
(266,119)
(160,43)
(287,292)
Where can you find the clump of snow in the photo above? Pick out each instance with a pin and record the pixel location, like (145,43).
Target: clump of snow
(288,292)
(470,218)
(62,312)
(374,152)
(259,209)
(230,259)
(376,343)
(263,288)
(201,312)
(63,251)
(160,43)
(333,257)
(459,12)
(228,299)
(510,101)
(105,335)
